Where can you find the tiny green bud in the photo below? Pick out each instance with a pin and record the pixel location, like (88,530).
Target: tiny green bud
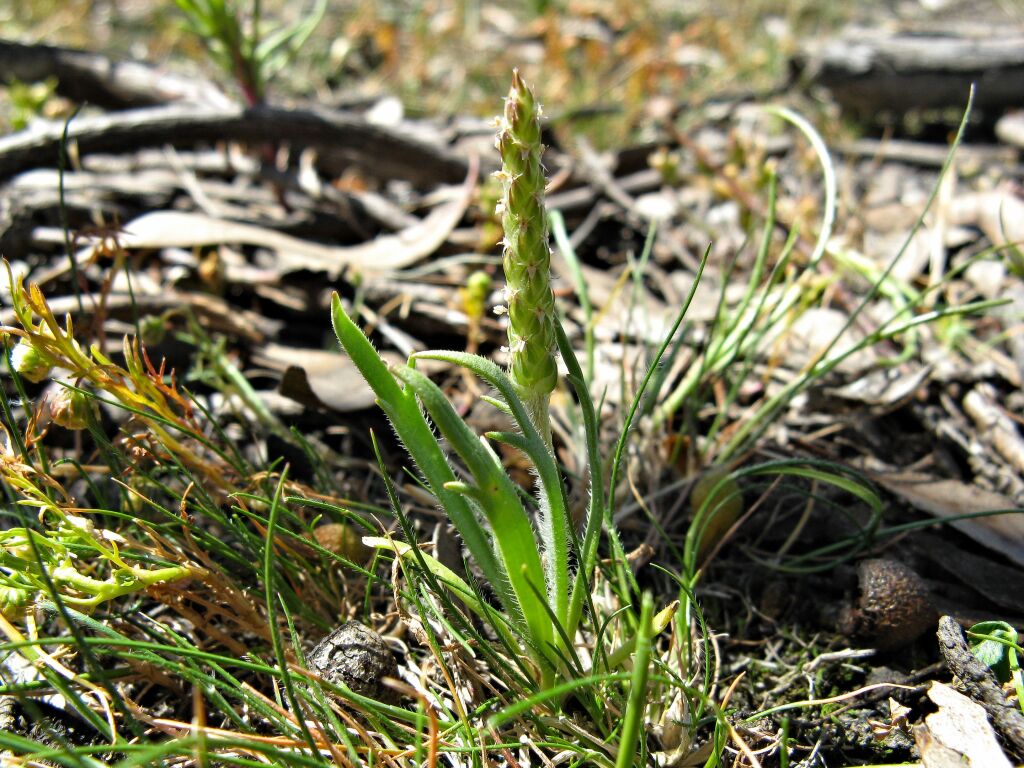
(474,295)
(30,363)
(14,601)
(72,409)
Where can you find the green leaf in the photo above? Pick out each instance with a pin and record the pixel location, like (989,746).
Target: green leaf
(554,514)
(992,642)
(495,493)
(277,49)
(404,414)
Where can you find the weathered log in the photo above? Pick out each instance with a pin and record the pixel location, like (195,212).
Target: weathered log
(343,139)
(871,70)
(87,77)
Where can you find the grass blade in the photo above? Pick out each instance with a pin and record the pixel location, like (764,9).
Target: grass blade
(637,704)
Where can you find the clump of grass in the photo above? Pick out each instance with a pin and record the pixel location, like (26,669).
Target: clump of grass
(248,53)
(744,338)
(174,512)
(166,511)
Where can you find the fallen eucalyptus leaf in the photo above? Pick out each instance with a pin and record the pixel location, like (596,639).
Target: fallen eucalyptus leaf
(949,498)
(181,229)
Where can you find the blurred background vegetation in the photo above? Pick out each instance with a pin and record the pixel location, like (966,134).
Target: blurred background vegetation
(608,66)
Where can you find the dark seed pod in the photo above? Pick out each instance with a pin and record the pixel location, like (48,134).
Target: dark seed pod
(894,607)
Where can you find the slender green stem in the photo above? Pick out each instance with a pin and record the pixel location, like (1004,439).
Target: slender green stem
(637,702)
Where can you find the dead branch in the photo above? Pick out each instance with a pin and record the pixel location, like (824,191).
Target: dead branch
(343,139)
(979,682)
(87,77)
(869,70)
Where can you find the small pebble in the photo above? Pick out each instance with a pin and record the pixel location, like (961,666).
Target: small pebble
(355,656)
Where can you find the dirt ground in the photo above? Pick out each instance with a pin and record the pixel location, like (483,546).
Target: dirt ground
(366,169)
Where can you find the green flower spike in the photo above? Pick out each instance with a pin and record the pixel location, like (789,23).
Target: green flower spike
(531,305)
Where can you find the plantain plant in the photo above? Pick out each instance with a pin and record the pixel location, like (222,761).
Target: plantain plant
(540,594)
